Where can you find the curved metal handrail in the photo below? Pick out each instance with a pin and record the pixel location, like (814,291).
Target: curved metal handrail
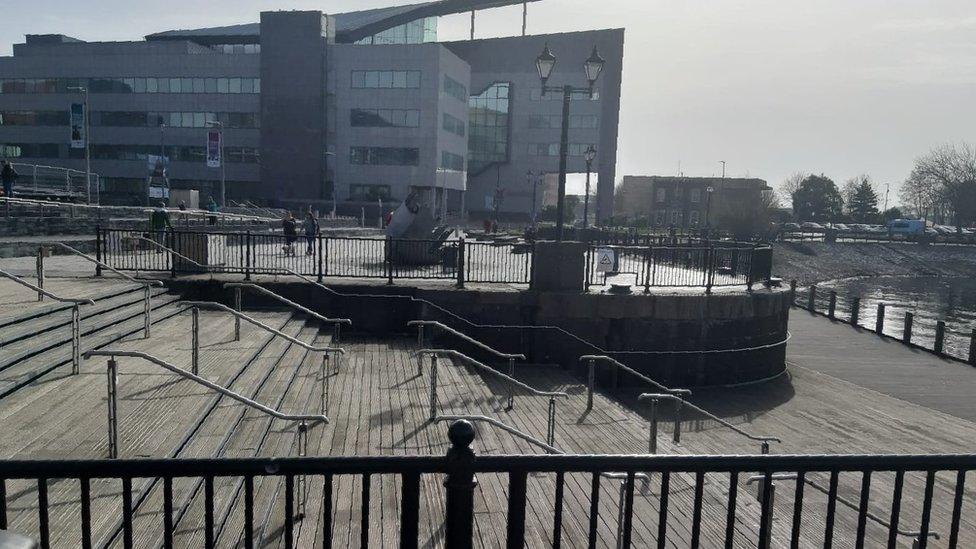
(467,338)
(286,301)
(103,265)
(172,251)
(849,504)
(635,373)
(210,385)
(42,291)
(259,324)
(490,370)
(504,427)
(683,402)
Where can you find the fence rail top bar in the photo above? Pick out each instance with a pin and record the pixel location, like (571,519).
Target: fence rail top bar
(286,301)
(490,370)
(102,265)
(40,290)
(222,390)
(652,396)
(139,209)
(633,372)
(220,306)
(465,337)
(172,251)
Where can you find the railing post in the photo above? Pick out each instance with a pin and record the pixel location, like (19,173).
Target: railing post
(652,435)
(460,484)
(972,348)
(247,256)
(324,370)
(146,310)
(76,339)
(939,346)
(40,272)
(855,310)
(832,305)
(879,321)
(113,418)
(709,269)
(171,242)
(767,525)
(195,313)
(98,250)
(511,388)
(433,386)
(812,300)
(906,335)
(388,246)
(677,419)
(321,259)
(551,426)
(648,268)
(460,263)
(793,292)
(238,306)
(752,264)
(590,381)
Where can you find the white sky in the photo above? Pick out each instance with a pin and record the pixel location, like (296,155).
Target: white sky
(772,87)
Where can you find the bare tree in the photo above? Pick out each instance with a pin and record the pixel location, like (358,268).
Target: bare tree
(943,183)
(790,185)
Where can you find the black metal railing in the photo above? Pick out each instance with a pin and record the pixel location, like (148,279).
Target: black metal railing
(939,502)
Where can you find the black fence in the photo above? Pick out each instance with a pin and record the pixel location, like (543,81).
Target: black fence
(927,493)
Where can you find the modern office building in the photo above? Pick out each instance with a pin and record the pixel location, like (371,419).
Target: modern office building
(692,202)
(357,107)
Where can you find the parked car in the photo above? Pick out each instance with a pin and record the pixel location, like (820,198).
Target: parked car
(841,227)
(811,226)
(791,227)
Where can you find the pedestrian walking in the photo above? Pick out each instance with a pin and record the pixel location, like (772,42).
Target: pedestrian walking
(311,227)
(8,175)
(212,208)
(158,223)
(290,228)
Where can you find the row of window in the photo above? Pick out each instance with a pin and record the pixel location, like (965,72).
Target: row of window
(138,119)
(382,118)
(676,218)
(386,79)
(488,127)
(453,125)
(176,153)
(555,121)
(537,95)
(552,149)
(451,161)
(694,195)
(414,32)
(132,85)
(371,193)
(237,48)
(384,156)
(455,89)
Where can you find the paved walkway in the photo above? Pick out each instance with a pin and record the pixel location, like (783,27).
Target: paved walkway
(882,364)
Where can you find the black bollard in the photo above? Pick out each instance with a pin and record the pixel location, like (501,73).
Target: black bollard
(907,334)
(879,322)
(939,337)
(832,306)
(460,484)
(855,310)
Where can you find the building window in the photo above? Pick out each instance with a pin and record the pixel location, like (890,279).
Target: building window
(384,156)
(385,79)
(370,193)
(552,149)
(453,125)
(384,118)
(455,89)
(451,161)
(33,118)
(693,218)
(678,191)
(555,121)
(661,195)
(153,119)
(537,95)
(138,85)
(30,150)
(676,218)
(414,32)
(237,48)
(488,123)
(695,195)
(659,218)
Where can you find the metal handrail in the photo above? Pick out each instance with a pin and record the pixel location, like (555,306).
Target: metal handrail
(196,212)
(172,251)
(679,402)
(113,393)
(849,504)
(603,358)
(259,324)
(42,291)
(490,370)
(288,302)
(81,254)
(504,427)
(465,337)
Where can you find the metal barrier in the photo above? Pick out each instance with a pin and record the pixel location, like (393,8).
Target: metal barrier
(679,402)
(39,180)
(460,468)
(591,377)
(113,418)
(551,395)
(238,304)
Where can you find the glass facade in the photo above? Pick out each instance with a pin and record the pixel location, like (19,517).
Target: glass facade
(384,118)
(33,118)
(552,149)
(152,119)
(451,161)
(371,193)
(384,156)
(488,125)
(454,125)
(414,32)
(232,85)
(455,89)
(555,121)
(385,79)
(29,150)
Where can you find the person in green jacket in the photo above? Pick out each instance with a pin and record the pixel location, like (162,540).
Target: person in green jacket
(158,223)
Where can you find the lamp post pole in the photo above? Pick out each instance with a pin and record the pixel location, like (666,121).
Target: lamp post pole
(593,66)
(530,179)
(589,155)
(708,208)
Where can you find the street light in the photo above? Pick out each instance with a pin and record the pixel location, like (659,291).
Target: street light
(708,207)
(84,90)
(223,161)
(545,63)
(590,155)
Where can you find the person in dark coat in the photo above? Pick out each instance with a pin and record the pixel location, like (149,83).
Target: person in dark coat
(311,228)
(290,229)
(7,175)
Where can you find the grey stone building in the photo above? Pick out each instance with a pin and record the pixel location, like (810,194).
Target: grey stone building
(356,108)
(727,203)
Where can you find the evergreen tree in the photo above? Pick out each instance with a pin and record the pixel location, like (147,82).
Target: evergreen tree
(864,203)
(817,199)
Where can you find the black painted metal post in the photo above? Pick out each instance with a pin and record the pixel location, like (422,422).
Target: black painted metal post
(389,260)
(812,301)
(321,259)
(940,327)
(460,484)
(793,292)
(879,322)
(855,310)
(247,256)
(907,334)
(460,263)
(709,269)
(832,307)
(972,348)
(98,248)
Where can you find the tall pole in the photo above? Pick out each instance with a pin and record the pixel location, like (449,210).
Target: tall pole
(87,146)
(723,168)
(563,152)
(586,197)
(223,167)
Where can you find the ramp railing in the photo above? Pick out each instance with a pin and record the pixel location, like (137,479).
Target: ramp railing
(113,416)
(238,288)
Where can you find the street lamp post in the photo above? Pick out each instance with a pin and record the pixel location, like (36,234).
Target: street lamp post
(84,90)
(223,161)
(590,156)
(593,66)
(708,208)
(530,179)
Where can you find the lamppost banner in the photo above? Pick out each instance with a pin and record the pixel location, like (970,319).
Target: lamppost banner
(78,136)
(213,149)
